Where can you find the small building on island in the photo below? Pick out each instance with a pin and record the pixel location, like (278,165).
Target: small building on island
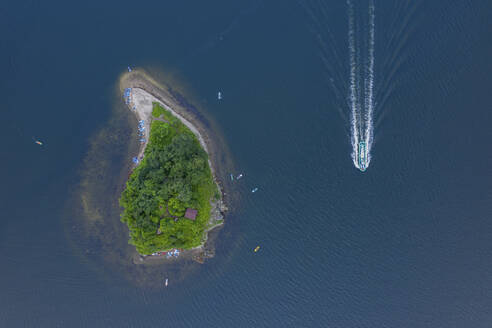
(190,214)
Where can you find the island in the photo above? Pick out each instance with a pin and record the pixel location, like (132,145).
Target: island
(172,198)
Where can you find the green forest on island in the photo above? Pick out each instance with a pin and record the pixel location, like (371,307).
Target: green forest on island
(173,175)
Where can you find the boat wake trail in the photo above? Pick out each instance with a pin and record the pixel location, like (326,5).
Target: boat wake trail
(361,94)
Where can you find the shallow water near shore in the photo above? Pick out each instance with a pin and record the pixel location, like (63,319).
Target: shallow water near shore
(406,244)
(94,229)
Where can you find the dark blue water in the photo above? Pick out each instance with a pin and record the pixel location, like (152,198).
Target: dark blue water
(406,244)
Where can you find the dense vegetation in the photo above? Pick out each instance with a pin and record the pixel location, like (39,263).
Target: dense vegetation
(174,175)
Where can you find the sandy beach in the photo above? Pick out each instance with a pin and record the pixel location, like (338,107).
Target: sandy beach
(144,92)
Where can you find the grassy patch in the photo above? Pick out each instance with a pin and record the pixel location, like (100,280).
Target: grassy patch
(157,109)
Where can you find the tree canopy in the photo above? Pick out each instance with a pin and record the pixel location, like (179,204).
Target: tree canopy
(173,175)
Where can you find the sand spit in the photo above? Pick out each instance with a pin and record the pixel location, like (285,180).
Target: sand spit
(145,91)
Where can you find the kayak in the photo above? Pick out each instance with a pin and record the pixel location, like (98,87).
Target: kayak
(257,249)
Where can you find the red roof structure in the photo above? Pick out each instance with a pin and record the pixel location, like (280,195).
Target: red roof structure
(191,214)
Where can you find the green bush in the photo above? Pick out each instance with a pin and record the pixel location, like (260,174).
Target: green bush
(176,207)
(157,110)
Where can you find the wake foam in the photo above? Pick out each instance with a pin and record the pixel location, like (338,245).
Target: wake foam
(361,117)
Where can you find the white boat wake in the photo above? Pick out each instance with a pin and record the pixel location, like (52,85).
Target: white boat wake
(361,103)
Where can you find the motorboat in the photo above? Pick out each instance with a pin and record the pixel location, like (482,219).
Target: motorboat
(362,156)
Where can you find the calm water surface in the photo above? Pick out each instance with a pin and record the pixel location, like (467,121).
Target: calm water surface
(408,243)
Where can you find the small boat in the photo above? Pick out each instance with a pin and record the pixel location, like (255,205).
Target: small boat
(219,95)
(257,249)
(254,190)
(239,176)
(129,69)
(362,156)
(166,282)
(38,142)
(232,177)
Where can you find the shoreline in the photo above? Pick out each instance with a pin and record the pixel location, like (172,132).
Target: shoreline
(145,91)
